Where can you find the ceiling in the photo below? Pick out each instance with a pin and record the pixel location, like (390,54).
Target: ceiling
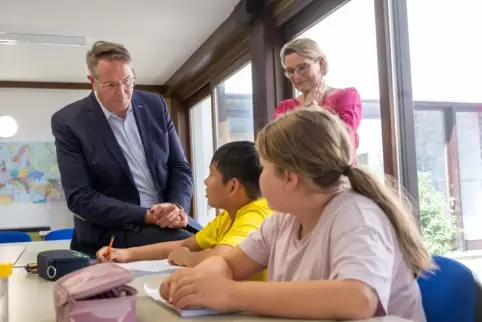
(160,35)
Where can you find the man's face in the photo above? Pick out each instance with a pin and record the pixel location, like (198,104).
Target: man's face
(113,83)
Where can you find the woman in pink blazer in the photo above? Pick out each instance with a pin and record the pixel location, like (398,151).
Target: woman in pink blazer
(305,66)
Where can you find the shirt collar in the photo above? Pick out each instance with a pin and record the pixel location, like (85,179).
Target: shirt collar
(106,112)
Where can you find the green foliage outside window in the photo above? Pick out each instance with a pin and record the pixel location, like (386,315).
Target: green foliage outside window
(438,223)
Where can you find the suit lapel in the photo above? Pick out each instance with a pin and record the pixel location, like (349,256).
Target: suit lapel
(98,120)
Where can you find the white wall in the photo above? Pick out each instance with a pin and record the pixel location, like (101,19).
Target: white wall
(32,109)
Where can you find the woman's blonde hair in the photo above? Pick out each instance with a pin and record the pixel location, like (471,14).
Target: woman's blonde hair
(317,145)
(307,48)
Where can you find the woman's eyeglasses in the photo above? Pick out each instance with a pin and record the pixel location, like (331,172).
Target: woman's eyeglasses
(301,69)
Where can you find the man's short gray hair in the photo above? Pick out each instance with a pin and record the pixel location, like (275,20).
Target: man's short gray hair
(105,50)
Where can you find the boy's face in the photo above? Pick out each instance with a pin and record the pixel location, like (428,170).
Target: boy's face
(217,193)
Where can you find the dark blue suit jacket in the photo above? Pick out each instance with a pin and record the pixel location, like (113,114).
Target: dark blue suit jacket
(98,183)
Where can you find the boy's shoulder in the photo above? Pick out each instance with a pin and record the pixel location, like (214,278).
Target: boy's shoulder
(257,207)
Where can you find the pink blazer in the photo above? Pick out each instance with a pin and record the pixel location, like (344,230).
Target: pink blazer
(344,102)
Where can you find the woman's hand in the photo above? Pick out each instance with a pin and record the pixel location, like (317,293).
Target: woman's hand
(316,93)
(191,287)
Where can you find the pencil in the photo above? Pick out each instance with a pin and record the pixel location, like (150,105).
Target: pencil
(107,253)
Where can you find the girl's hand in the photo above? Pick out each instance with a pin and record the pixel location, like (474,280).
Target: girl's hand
(191,287)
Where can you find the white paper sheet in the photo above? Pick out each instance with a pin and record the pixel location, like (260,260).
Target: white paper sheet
(154,294)
(157,267)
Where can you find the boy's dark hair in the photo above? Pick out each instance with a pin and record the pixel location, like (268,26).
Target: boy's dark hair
(239,160)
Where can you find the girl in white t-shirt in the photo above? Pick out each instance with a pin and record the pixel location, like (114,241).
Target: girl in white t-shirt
(333,250)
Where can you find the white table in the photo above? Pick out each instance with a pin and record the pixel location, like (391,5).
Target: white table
(33,248)
(10,253)
(31,298)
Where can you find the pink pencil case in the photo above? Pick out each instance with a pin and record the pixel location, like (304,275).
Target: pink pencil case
(97,293)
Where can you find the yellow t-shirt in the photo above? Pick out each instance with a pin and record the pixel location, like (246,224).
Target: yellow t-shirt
(221,231)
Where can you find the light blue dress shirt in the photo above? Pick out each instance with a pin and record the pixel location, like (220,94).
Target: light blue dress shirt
(129,139)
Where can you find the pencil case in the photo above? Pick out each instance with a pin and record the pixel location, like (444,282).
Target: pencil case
(98,293)
(53,264)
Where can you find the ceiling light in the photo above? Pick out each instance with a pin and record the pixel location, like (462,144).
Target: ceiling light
(8,42)
(7,38)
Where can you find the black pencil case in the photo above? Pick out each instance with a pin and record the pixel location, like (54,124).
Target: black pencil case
(53,264)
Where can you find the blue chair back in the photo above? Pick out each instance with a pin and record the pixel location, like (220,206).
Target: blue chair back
(14,237)
(449,293)
(60,234)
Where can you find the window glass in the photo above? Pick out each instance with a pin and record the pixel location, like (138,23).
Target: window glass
(234,107)
(446,68)
(202,152)
(351,53)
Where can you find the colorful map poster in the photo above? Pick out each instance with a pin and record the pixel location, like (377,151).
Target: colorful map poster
(29,173)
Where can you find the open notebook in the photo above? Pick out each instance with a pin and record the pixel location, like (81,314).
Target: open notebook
(156,267)
(185,313)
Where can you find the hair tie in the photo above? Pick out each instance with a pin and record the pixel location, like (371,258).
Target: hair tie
(347,170)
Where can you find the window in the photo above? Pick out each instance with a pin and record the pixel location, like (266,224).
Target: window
(234,107)
(430,148)
(469,130)
(202,152)
(348,39)
(446,69)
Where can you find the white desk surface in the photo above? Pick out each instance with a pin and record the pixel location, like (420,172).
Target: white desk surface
(10,253)
(33,248)
(37,294)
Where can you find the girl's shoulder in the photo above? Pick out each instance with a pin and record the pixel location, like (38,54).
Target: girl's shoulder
(350,209)
(280,221)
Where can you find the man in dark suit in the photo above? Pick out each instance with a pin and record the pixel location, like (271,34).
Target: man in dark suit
(122,166)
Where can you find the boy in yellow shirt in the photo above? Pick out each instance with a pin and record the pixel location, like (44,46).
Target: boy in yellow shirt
(232,185)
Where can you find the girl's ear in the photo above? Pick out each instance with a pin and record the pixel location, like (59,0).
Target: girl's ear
(292,181)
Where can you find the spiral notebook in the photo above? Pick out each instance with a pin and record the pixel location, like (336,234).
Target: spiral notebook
(185,313)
